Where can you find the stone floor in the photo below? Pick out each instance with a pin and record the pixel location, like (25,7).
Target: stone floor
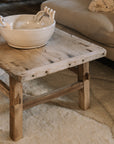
(27,7)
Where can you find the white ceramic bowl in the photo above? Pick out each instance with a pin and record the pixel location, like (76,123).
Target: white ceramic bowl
(26,34)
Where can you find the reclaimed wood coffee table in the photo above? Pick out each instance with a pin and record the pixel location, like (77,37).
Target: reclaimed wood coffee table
(63,51)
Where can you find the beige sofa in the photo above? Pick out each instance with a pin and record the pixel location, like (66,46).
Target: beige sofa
(96,26)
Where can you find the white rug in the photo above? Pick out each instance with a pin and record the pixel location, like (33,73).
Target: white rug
(61,121)
(1,72)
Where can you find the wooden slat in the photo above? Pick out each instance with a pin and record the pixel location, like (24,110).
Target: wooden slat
(4,88)
(30,102)
(16,109)
(58,66)
(83,76)
(62,51)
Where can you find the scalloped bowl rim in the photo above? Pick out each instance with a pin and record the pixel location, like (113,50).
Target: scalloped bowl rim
(34,29)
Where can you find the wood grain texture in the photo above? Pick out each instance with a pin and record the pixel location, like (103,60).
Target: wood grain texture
(62,51)
(4,88)
(16,109)
(30,102)
(84,93)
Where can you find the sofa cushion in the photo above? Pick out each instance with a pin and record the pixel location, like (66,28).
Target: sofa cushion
(101,6)
(75,14)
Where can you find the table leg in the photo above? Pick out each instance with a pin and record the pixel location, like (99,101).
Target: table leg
(83,75)
(16,109)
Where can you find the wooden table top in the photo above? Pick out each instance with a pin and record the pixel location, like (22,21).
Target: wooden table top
(62,51)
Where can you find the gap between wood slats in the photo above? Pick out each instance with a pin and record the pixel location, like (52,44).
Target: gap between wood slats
(32,101)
